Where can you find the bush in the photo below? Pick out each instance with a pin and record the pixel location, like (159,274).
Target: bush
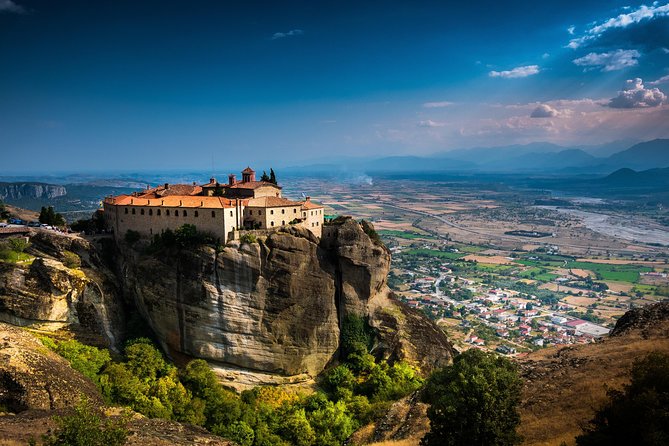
(474,402)
(87,427)
(85,359)
(638,413)
(71,260)
(368,228)
(248,238)
(132,237)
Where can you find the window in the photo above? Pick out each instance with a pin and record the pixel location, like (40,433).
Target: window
(158,212)
(272,223)
(133,211)
(259,212)
(272,212)
(250,212)
(150,211)
(185,213)
(167,212)
(294,210)
(141,211)
(283,211)
(316,223)
(176,213)
(213,214)
(312,224)
(283,222)
(197,214)
(230,213)
(126,210)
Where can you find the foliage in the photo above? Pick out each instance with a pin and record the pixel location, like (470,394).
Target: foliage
(184,237)
(95,224)
(71,260)
(87,427)
(132,237)
(368,228)
(355,330)
(637,414)
(264,177)
(86,359)
(473,402)
(4,213)
(272,176)
(50,217)
(12,250)
(248,238)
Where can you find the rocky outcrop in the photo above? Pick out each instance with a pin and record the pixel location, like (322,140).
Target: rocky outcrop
(46,293)
(275,306)
(32,377)
(645,318)
(18,191)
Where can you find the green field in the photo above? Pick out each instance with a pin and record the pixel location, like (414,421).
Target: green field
(538,274)
(423,252)
(403,234)
(544,260)
(620,273)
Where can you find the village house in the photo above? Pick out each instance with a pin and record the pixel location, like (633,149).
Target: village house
(221,209)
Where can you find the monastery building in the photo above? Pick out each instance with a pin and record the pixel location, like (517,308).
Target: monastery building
(222,209)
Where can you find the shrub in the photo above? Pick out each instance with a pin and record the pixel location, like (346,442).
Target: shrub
(368,228)
(71,260)
(83,358)
(474,401)
(87,427)
(248,238)
(132,237)
(637,414)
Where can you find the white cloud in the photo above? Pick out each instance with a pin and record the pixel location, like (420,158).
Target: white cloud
(571,29)
(292,32)
(439,104)
(517,72)
(665,50)
(10,6)
(545,56)
(610,61)
(544,111)
(661,80)
(431,123)
(635,95)
(621,21)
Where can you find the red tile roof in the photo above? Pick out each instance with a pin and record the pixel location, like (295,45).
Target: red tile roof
(251,185)
(172,189)
(185,201)
(272,202)
(311,205)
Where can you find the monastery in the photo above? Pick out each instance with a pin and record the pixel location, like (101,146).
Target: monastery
(222,209)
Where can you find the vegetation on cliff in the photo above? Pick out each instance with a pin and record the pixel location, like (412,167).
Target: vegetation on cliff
(354,393)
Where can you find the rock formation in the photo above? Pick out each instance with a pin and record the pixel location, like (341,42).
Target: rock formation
(276,305)
(17,191)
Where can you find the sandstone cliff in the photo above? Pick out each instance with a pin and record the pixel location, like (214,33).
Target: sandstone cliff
(17,191)
(47,294)
(276,306)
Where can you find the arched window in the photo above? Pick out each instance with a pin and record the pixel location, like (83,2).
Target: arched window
(294,210)
(196,214)
(167,212)
(259,212)
(283,211)
(272,212)
(150,211)
(133,211)
(158,212)
(185,213)
(176,213)
(283,222)
(250,212)
(272,223)
(213,214)
(126,210)
(230,213)
(141,211)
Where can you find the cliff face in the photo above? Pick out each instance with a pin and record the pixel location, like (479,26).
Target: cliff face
(48,294)
(275,306)
(17,191)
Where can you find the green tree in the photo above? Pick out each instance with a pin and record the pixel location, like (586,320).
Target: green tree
(638,413)
(18,244)
(264,176)
(48,216)
(4,213)
(87,427)
(272,176)
(474,402)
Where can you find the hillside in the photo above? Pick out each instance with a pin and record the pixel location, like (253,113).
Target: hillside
(645,155)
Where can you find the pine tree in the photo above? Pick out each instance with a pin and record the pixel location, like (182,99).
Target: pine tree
(272,176)
(264,177)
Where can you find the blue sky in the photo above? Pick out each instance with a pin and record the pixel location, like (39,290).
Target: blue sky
(133,84)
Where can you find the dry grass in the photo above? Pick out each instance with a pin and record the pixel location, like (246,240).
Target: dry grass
(568,384)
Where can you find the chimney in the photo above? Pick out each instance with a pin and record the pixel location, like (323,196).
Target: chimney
(232,179)
(167,185)
(308,199)
(212,180)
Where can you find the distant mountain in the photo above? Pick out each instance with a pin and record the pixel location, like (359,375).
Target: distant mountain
(30,190)
(653,178)
(645,155)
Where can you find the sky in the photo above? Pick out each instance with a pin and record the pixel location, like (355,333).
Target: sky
(148,85)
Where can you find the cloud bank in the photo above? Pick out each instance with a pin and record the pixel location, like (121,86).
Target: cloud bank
(642,13)
(544,111)
(609,61)
(517,72)
(439,104)
(635,95)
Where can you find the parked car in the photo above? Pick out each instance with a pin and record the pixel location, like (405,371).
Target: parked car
(3,225)
(34,224)
(16,221)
